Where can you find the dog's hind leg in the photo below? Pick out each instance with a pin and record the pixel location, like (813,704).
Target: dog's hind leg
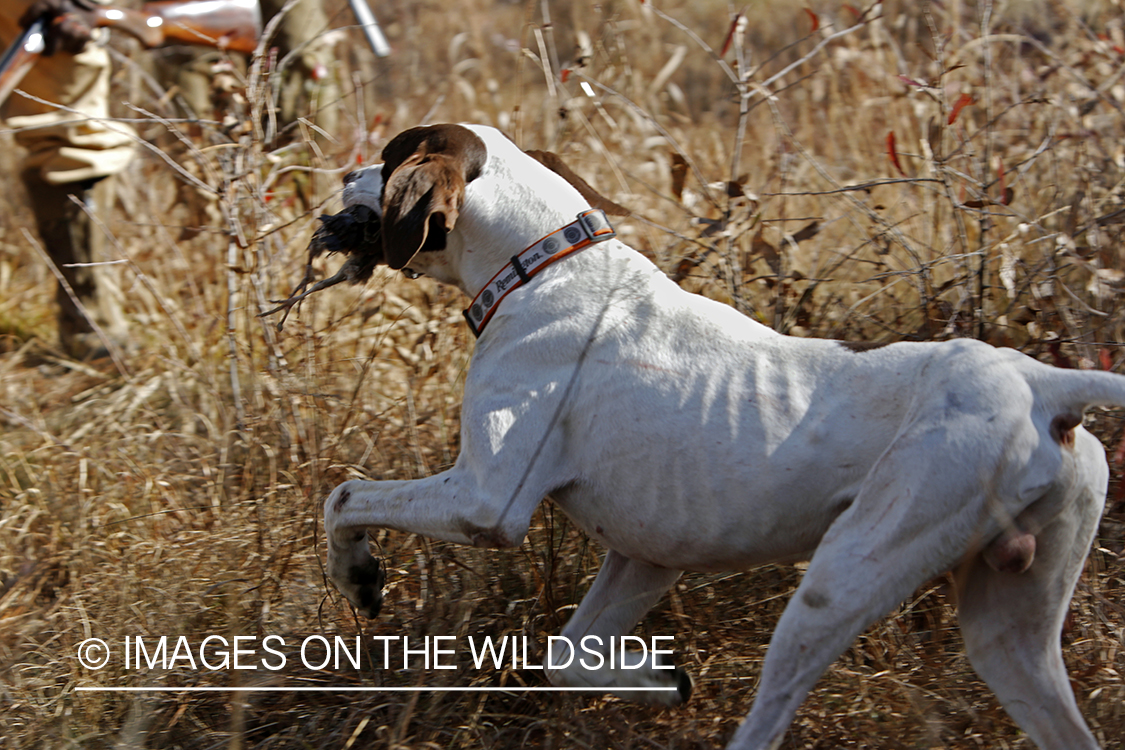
(623,592)
(843,591)
(912,519)
(1012,621)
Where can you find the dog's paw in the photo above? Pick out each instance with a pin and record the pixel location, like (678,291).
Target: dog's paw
(360,580)
(366,587)
(351,568)
(664,678)
(661,684)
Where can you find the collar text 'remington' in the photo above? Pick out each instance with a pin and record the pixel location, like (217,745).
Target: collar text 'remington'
(590,227)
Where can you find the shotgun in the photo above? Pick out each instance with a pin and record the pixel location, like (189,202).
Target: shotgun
(233,25)
(20,56)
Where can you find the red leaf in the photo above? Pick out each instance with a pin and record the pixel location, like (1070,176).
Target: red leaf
(1105,359)
(1118,459)
(852,9)
(814,19)
(730,34)
(1060,359)
(962,101)
(893,153)
(565,74)
(1005,194)
(911,82)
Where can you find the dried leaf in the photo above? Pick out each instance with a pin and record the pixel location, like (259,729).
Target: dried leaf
(962,101)
(679,174)
(711,227)
(1112,276)
(684,268)
(893,153)
(912,82)
(759,246)
(1118,459)
(807,232)
(933,135)
(814,19)
(1060,359)
(1005,200)
(1105,360)
(730,34)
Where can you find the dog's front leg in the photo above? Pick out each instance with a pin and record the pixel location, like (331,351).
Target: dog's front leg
(449,506)
(511,457)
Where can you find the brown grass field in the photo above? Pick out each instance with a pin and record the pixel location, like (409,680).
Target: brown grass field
(175,489)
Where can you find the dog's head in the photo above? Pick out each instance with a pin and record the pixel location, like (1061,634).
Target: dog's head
(411,202)
(425,171)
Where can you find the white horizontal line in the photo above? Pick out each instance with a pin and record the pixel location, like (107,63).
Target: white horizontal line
(296,689)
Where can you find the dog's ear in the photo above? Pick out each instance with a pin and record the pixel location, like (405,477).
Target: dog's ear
(551,161)
(428,170)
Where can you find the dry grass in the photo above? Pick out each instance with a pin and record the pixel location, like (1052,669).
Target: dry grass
(179,493)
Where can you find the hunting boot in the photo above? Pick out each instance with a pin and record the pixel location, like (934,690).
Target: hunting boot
(73,240)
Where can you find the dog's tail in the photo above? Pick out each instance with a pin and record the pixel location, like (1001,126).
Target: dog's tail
(1082,388)
(1065,394)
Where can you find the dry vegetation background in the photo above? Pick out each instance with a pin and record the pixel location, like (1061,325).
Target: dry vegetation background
(176,488)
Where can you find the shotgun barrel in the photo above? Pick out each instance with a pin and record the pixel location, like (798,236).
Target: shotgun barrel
(370,28)
(21,56)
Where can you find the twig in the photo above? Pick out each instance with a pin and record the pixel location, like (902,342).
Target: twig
(110,345)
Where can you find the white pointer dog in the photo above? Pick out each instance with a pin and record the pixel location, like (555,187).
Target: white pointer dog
(685,436)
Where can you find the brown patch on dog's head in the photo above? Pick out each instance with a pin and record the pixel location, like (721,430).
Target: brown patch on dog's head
(425,173)
(551,161)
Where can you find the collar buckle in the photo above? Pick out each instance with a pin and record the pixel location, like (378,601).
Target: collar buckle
(596,225)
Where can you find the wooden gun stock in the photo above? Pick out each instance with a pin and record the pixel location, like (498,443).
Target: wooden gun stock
(227,24)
